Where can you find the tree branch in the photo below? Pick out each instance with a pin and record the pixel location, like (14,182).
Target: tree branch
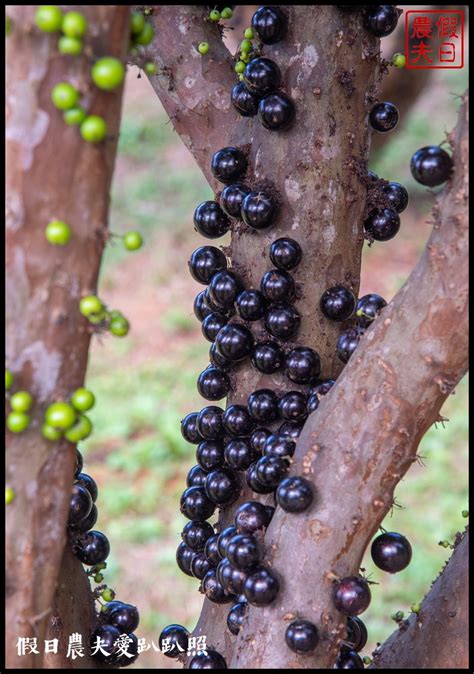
(364,435)
(436,637)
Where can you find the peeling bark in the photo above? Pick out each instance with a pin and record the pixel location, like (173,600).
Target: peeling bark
(436,637)
(51,173)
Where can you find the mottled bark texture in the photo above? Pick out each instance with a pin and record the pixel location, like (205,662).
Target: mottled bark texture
(51,173)
(436,637)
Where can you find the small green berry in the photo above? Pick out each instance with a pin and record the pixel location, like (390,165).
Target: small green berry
(74,24)
(50,433)
(108,594)
(245,46)
(80,431)
(239,67)
(245,57)
(49,18)
(215,15)
(241,77)
(9,495)
(119,326)
(98,577)
(100,567)
(465,513)
(248,33)
(444,544)
(93,129)
(415,607)
(367,660)
(8,26)
(132,240)
(137,23)
(146,36)
(90,305)
(21,401)
(17,422)
(74,116)
(398,60)
(151,68)
(108,73)
(69,45)
(58,232)
(397,616)
(82,399)
(95,319)
(8,379)
(60,415)
(227,13)
(64,96)
(203,48)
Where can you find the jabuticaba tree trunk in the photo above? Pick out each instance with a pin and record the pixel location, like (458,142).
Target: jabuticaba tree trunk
(51,173)
(329,68)
(438,636)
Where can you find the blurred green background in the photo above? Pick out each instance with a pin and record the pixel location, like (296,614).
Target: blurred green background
(146,383)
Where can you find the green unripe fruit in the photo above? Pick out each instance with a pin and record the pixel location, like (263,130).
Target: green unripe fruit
(17,422)
(69,45)
(239,67)
(74,24)
(114,314)
(245,57)
(367,660)
(248,33)
(203,48)
(9,495)
(215,15)
(245,46)
(465,513)
(108,594)
(64,96)
(93,129)
(397,616)
(50,433)
(146,36)
(227,13)
(415,607)
(444,544)
(137,23)
(119,326)
(74,116)
(151,68)
(8,26)
(60,415)
(21,401)
(89,305)
(8,379)
(82,399)
(108,73)
(132,240)
(95,319)
(49,18)
(58,233)
(98,577)
(80,431)
(398,60)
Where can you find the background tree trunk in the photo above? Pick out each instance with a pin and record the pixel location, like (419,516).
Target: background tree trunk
(51,173)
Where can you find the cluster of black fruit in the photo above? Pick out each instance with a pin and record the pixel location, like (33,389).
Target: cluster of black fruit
(259,91)
(92,548)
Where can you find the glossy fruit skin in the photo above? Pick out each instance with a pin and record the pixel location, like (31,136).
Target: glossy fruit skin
(368,308)
(251,517)
(93,129)
(21,401)
(211,550)
(301,636)
(93,549)
(278,445)
(261,587)
(196,533)
(176,635)
(322,387)
(237,421)
(189,429)
(60,416)
(295,494)
(231,579)
(270,24)
(214,590)
(201,309)
(228,164)
(338,303)
(282,321)
(87,523)
(80,504)
(351,595)
(215,308)
(196,477)
(396,195)
(200,565)
(58,233)
(212,325)
(74,24)
(290,429)
(263,405)
(50,433)
(217,359)
(125,618)
(224,537)
(381,20)
(259,210)
(243,100)
(250,305)
(391,552)
(278,286)
(267,357)
(69,45)
(383,117)
(277,111)
(80,431)
(243,551)
(209,422)
(270,470)
(224,287)
(302,365)
(82,400)
(49,18)
(222,486)
(254,483)
(108,635)
(356,633)
(88,483)
(195,504)
(236,616)
(210,455)
(286,253)
(313,403)
(347,343)
(64,96)
(146,36)
(262,76)
(210,220)
(205,262)
(292,406)
(210,660)
(184,558)
(383,224)
(431,166)
(239,454)
(119,326)
(137,22)
(213,384)
(257,439)
(234,342)
(349,659)
(231,199)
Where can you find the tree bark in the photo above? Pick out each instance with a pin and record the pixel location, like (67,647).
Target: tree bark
(436,637)
(51,173)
